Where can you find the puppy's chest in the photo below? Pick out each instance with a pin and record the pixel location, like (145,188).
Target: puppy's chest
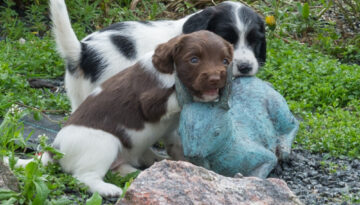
(152,132)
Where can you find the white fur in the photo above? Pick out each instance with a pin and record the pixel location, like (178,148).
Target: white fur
(242,53)
(167,80)
(96,91)
(146,38)
(89,153)
(67,42)
(77,89)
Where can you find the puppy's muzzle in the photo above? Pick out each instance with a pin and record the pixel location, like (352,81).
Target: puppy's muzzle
(244,68)
(213,80)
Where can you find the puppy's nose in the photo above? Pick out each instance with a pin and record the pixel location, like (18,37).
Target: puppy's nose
(214,79)
(244,68)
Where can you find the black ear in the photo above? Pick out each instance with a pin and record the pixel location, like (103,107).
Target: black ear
(260,50)
(199,21)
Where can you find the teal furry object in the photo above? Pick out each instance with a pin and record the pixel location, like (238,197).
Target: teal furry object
(247,131)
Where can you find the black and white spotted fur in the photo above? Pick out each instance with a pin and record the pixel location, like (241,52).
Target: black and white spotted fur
(104,53)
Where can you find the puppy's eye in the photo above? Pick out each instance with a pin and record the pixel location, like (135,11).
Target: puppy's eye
(194,60)
(226,61)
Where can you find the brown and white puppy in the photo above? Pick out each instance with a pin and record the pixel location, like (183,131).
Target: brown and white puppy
(117,124)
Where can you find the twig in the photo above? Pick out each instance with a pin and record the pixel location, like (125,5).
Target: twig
(330,3)
(133,4)
(44,111)
(282,38)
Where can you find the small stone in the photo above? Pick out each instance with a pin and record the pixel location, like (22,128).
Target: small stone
(306,180)
(313,182)
(22,41)
(355,190)
(238,175)
(318,186)
(7,178)
(313,173)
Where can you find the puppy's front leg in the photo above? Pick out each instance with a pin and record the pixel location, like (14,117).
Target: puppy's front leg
(174,146)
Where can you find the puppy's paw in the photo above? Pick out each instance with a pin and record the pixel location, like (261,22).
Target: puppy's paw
(107,190)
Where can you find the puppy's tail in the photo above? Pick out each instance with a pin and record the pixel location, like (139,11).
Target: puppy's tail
(67,43)
(45,159)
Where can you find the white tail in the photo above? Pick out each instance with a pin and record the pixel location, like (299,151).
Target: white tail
(67,43)
(45,159)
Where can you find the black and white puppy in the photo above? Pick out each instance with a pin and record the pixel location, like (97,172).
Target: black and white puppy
(104,53)
(118,122)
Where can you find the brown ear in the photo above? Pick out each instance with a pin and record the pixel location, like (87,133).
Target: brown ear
(230,49)
(163,58)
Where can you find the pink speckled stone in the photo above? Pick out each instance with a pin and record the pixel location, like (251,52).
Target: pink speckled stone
(170,182)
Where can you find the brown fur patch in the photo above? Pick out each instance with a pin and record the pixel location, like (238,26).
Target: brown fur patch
(127,100)
(209,48)
(134,96)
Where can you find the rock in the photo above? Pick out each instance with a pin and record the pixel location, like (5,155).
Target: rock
(169,182)
(22,41)
(7,178)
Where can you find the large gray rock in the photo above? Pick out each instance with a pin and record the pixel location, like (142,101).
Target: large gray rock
(169,182)
(7,178)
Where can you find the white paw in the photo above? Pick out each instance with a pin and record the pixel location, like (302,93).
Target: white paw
(107,189)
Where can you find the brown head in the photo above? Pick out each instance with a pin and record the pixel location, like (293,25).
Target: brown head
(200,60)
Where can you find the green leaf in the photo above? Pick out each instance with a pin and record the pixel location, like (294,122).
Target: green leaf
(10,201)
(7,194)
(62,201)
(42,191)
(30,174)
(30,170)
(305,11)
(95,199)
(57,155)
(37,116)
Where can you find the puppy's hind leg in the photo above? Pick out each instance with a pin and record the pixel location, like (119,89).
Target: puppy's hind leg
(88,155)
(95,182)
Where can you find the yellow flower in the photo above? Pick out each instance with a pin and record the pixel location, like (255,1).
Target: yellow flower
(270,21)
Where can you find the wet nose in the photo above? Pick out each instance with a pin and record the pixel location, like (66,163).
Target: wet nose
(214,79)
(244,68)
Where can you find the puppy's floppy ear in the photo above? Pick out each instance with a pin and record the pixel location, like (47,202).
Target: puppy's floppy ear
(163,58)
(260,48)
(260,52)
(199,21)
(230,48)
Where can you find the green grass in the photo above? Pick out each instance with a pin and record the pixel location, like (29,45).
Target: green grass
(36,58)
(322,92)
